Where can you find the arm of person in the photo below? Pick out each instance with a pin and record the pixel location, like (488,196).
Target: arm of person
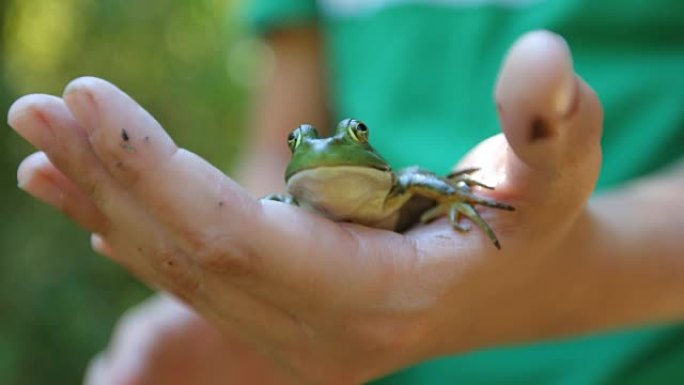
(413,296)
(294,92)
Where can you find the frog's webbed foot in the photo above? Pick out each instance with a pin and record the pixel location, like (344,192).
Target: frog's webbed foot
(285,198)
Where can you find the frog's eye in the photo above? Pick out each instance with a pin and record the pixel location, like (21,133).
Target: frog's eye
(358,131)
(294,138)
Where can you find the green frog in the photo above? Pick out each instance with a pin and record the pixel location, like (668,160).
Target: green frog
(343,178)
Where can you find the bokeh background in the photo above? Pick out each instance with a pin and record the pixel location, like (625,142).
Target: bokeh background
(192,65)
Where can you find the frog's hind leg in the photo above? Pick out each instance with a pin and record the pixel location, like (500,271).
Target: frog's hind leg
(453,197)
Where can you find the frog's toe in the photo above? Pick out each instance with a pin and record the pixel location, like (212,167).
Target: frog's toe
(460,173)
(468,196)
(454,219)
(470,182)
(464,177)
(469,211)
(439,210)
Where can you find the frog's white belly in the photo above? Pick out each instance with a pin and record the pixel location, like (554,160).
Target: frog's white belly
(346,193)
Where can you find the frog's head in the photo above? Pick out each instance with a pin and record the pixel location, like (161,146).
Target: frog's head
(347,147)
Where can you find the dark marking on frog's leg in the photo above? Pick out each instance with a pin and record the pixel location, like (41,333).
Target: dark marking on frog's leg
(540,129)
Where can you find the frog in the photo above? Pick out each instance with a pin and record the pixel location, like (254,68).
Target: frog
(342,177)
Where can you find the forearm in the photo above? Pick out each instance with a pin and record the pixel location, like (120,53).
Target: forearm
(634,252)
(293,93)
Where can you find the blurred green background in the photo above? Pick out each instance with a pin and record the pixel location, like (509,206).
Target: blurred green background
(191,64)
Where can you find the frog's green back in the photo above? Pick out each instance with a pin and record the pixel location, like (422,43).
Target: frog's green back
(421,75)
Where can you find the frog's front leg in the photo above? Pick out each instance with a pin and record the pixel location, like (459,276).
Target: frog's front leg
(453,196)
(285,198)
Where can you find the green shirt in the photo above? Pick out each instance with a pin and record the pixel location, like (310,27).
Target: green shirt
(421,74)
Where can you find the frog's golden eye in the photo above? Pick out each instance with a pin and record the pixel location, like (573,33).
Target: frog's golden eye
(294,138)
(358,131)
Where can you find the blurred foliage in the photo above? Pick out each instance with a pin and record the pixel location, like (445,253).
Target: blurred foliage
(190,64)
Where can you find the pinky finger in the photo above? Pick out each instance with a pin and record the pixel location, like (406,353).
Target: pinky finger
(39,178)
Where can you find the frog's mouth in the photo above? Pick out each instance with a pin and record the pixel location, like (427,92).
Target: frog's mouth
(342,168)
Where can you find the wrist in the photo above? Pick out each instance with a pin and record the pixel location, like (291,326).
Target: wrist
(624,254)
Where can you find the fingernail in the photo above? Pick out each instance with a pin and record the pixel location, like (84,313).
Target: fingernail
(539,67)
(28,169)
(29,122)
(43,188)
(81,102)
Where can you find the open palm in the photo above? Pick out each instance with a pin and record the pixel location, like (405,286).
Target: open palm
(317,296)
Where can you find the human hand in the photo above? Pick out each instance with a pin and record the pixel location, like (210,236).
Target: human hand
(333,303)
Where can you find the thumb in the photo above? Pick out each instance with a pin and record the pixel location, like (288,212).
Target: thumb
(551,119)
